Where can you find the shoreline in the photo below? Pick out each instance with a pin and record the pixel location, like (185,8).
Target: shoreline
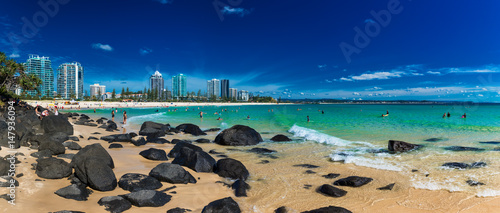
(103,105)
(269,191)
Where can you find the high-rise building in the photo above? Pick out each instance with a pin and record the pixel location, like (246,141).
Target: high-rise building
(156,83)
(42,68)
(179,86)
(243,95)
(224,88)
(97,90)
(213,88)
(70,80)
(233,93)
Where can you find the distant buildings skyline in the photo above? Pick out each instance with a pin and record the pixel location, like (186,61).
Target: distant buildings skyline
(156,83)
(70,80)
(41,67)
(97,90)
(213,88)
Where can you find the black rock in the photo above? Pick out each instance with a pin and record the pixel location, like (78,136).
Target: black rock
(52,168)
(462,148)
(262,151)
(280,138)
(225,205)
(135,182)
(331,191)
(414,170)
(388,187)
(282,209)
(158,140)
(433,139)
(329,209)
(401,146)
(92,138)
(154,125)
(115,145)
(310,172)
(240,188)
(42,154)
(108,138)
(490,142)
(331,176)
(90,124)
(94,167)
(111,126)
(154,154)
(178,210)
(53,146)
(202,140)
(94,133)
(215,152)
(100,121)
(193,157)
(115,204)
(54,123)
(212,130)
(222,156)
(67,211)
(190,129)
(456,165)
(474,183)
(478,165)
(238,135)
(175,141)
(75,192)
(152,133)
(148,198)
(231,168)
(171,173)
(72,145)
(353,181)
(309,166)
(263,162)
(307,186)
(139,142)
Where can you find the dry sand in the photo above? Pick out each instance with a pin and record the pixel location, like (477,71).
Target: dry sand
(275,184)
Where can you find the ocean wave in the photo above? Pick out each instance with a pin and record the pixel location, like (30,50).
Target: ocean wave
(141,118)
(355,158)
(313,135)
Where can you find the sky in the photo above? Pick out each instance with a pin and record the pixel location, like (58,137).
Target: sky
(339,49)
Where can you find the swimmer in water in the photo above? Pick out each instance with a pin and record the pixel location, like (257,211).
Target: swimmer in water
(248,117)
(308,118)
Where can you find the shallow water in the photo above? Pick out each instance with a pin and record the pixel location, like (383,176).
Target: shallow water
(357,134)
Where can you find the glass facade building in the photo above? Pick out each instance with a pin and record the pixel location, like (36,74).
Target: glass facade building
(156,82)
(41,67)
(224,88)
(70,80)
(179,86)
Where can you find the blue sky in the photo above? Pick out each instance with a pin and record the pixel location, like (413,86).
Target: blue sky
(351,49)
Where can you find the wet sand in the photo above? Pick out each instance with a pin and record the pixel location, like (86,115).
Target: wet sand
(277,183)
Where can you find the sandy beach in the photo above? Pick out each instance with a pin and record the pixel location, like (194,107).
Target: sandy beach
(274,184)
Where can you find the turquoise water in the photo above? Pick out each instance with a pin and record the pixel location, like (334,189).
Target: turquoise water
(351,133)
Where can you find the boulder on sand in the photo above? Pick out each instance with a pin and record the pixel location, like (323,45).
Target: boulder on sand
(190,129)
(331,191)
(231,168)
(225,205)
(193,157)
(280,138)
(55,147)
(57,123)
(401,146)
(94,167)
(52,168)
(154,154)
(75,192)
(135,182)
(329,209)
(240,188)
(353,181)
(115,204)
(238,135)
(171,173)
(148,198)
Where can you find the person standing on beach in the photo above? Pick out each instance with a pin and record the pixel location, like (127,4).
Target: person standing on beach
(124,117)
(112,115)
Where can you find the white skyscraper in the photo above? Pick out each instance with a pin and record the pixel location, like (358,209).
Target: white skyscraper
(70,80)
(156,82)
(213,88)
(97,89)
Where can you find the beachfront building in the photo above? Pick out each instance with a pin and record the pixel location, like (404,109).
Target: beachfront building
(179,84)
(97,90)
(42,68)
(243,95)
(156,83)
(224,88)
(233,93)
(70,80)
(213,88)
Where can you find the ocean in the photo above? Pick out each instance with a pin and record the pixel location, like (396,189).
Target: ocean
(357,134)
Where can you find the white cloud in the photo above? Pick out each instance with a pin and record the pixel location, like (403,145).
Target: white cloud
(378,75)
(235,11)
(104,47)
(164,1)
(321,66)
(328,81)
(434,72)
(345,79)
(14,55)
(145,51)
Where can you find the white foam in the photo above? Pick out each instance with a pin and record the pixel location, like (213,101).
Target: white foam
(313,135)
(488,193)
(351,157)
